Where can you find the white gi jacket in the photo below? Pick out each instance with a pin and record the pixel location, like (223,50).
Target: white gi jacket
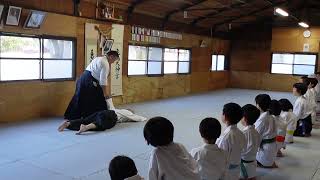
(212,161)
(172,162)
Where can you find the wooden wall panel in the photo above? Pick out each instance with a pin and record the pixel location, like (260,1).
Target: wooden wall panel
(45,99)
(250,68)
(261,80)
(218,80)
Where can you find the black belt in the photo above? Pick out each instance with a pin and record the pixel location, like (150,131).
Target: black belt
(267,141)
(244,161)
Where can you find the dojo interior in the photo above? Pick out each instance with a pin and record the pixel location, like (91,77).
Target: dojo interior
(206,53)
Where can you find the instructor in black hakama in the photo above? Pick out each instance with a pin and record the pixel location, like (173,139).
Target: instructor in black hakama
(92,89)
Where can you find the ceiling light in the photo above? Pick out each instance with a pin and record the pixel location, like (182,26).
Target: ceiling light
(281,12)
(303,24)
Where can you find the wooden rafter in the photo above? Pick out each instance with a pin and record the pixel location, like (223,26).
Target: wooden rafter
(220,11)
(250,13)
(183,8)
(133,5)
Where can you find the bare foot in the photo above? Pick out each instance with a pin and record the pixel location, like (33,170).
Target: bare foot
(274,165)
(83,128)
(64,125)
(279,154)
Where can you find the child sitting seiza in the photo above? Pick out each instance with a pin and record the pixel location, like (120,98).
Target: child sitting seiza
(123,168)
(275,110)
(289,117)
(310,96)
(169,160)
(301,110)
(253,139)
(266,127)
(314,83)
(212,160)
(232,140)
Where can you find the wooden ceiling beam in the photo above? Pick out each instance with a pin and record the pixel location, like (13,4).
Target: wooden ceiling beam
(183,8)
(220,11)
(250,13)
(133,5)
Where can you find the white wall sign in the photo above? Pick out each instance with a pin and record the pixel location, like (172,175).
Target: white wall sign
(306,47)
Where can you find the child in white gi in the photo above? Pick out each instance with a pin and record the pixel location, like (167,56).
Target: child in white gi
(275,110)
(289,117)
(123,168)
(266,127)
(253,139)
(310,96)
(212,161)
(169,160)
(301,110)
(232,140)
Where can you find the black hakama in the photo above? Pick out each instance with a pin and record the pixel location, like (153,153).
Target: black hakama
(88,98)
(304,127)
(103,120)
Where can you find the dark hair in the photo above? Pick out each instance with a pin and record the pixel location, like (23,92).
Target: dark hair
(251,113)
(306,81)
(275,108)
(285,105)
(304,77)
(113,53)
(301,88)
(210,129)
(313,82)
(158,131)
(232,112)
(122,167)
(263,100)
(317,73)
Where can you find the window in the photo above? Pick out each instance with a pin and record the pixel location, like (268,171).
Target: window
(296,64)
(35,58)
(157,61)
(217,63)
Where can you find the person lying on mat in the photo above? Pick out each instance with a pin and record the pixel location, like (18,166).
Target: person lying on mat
(101,120)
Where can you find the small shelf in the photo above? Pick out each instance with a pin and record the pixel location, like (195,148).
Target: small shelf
(110,19)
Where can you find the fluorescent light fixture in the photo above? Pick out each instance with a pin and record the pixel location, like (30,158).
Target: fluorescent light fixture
(303,24)
(281,12)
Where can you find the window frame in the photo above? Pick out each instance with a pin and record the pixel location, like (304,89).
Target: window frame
(162,60)
(293,64)
(41,58)
(224,66)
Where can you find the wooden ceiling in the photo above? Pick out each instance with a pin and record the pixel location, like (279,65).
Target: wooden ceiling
(221,15)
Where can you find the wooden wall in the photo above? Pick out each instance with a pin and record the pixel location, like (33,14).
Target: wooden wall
(251,58)
(34,99)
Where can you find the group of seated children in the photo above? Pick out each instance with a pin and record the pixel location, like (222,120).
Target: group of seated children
(233,155)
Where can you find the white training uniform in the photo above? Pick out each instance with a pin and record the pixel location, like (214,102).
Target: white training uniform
(99,68)
(172,162)
(317,93)
(266,127)
(232,141)
(281,131)
(212,161)
(124,115)
(312,105)
(300,108)
(249,153)
(291,119)
(136,177)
